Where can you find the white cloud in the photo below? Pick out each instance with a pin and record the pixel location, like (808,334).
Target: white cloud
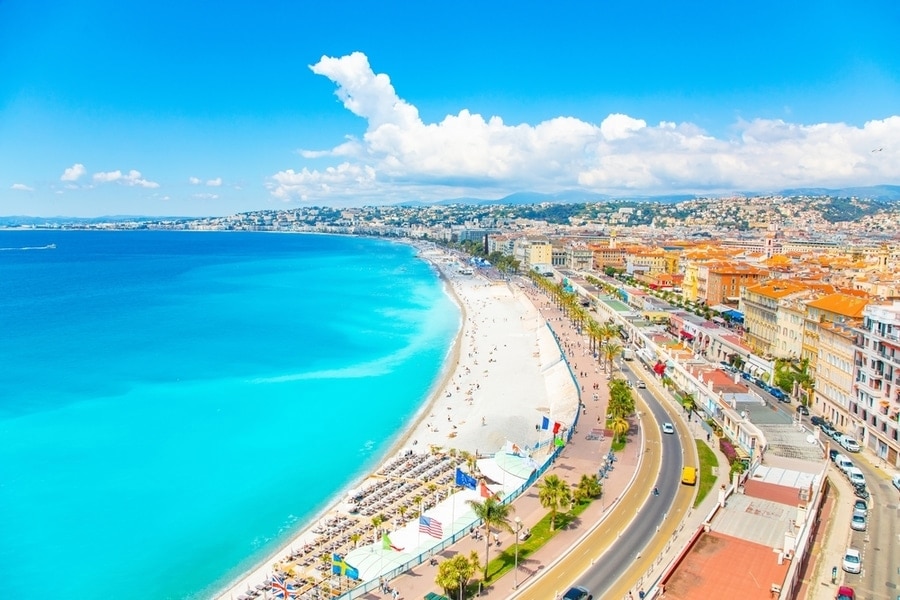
(400,156)
(73,173)
(21,187)
(133,178)
(195,180)
(214,182)
(206,196)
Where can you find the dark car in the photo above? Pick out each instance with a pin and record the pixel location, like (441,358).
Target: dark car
(578,593)
(802,410)
(817,420)
(746,376)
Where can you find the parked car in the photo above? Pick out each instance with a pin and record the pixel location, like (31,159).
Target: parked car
(849,444)
(852,562)
(816,420)
(855,476)
(578,593)
(843,463)
(836,435)
(896,481)
(858,523)
(845,593)
(641,385)
(802,409)
(860,507)
(668,428)
(746,376)
(782,397)
(832,454)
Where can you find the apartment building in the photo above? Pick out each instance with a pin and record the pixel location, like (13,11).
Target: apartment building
(834,372)
(836,308)
(760,304)
(530,251)
(875,407)
(721,282)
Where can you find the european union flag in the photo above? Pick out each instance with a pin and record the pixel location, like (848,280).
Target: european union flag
(465,480)
(339,566)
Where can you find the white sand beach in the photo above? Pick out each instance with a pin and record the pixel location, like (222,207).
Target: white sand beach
(504,374)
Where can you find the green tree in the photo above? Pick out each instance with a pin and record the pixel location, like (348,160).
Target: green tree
(455,573)
(554,494)
(494,514)
(589,487)
(620,427)
(621,400)
(611,351)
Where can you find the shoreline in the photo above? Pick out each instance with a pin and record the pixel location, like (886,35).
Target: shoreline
(475,297)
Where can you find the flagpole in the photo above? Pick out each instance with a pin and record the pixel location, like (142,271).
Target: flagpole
(419,530)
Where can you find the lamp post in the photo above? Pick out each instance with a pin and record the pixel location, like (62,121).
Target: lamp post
(516,567)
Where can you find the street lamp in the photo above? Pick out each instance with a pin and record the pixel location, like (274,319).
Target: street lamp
(516,567)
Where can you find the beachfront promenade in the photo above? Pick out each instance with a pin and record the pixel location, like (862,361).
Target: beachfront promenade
(505,374)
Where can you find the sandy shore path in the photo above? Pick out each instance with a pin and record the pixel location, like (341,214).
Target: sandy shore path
(504,374)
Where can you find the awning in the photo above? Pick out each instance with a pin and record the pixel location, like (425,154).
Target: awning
(686,335)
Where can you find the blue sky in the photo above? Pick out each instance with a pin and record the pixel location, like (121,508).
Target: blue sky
(184,108)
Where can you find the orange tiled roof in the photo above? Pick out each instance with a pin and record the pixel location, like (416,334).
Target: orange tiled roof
(841,304)
(777,288)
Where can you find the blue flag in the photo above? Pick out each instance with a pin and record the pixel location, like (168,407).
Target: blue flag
(339,566)
(545,423)
(465,480)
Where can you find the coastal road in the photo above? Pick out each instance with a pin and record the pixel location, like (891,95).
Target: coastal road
(613,557)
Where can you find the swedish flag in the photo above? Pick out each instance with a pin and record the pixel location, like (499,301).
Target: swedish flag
(340,567)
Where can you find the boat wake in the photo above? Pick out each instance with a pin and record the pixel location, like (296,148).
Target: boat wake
(23,248)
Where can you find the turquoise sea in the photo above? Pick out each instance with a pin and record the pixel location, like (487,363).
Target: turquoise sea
(174,405)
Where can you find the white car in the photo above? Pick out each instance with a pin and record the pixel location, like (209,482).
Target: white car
(858,523)
(856,476)
(668,428)
(852,562)
(849,444)
(896,481)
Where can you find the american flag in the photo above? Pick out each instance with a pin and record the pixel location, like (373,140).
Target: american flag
(431,526)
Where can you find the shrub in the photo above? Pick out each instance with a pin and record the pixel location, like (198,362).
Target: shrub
(728,450)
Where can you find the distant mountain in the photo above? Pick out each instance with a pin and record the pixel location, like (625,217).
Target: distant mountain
(25,221)
(878,192)
(874,192)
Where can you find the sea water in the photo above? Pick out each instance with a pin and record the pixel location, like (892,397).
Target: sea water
(174,405)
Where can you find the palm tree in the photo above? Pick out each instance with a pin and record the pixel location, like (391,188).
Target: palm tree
(377,520)
(593,329)
(355,537)
(494,514)
(610,352)
(620,427)
(554,494)
(471,461)
(588,487)
(621,400)
(454,574)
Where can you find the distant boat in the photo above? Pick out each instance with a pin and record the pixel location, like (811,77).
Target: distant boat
(47,247)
